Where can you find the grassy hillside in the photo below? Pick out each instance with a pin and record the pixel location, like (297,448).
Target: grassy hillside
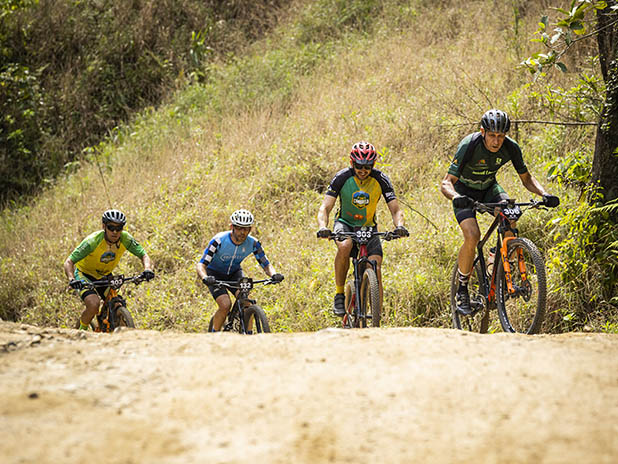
(268,130)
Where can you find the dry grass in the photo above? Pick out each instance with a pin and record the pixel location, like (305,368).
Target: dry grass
(178,177)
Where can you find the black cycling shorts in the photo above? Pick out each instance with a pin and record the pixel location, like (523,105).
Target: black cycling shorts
(493,194)
(216,290)
(374,246)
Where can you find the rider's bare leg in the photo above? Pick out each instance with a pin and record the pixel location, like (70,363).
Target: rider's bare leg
(342,262)
(224,304)
(93,302)
(472,235)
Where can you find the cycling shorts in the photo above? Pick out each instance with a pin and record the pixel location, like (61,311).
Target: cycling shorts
(374,246)
(493,194)
(217,290)
(83,293)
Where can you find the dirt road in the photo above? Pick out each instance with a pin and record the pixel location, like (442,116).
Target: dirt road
(376,395)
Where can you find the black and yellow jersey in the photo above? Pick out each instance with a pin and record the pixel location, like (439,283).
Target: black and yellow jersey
(358,199)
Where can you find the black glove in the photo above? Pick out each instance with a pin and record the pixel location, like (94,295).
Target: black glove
(401,231)
(148,275)
(551,201)
(209,280)
(323,233)
(462,201)
(277,277)
(76,284)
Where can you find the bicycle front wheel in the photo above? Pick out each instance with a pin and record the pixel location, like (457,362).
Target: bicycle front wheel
(521,308)
(478,321)
(370,299)
(256,314)
(124,318)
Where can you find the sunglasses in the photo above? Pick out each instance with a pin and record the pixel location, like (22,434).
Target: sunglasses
(114,228)
(367,167)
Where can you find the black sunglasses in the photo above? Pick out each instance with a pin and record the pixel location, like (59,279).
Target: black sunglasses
(367,167)
(114,228)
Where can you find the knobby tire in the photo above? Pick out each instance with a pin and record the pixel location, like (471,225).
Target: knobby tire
(124,318)
(260,321)
(478,322)
(522,313)
(370,298)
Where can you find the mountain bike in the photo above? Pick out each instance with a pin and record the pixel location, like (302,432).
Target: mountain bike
(516,285)
(113,313)
(362,292)
(244,311)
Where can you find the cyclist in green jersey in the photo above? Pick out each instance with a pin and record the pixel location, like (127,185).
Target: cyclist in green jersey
(359,189)
(97,256)
(472,177)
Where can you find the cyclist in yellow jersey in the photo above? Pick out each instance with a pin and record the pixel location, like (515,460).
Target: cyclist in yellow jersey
(359,189)
(97,256)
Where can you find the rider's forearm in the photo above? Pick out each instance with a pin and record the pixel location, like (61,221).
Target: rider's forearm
(201,270)
(448,190)
(69,268)
(146,262)
(269,270)
(534,186)
(322,218)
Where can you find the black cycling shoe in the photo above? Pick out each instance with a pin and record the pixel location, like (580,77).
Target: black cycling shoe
(463,301)
(339,305)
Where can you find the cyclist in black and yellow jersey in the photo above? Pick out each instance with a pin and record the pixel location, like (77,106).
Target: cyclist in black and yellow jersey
(359,189)
(97,256)
(472,177)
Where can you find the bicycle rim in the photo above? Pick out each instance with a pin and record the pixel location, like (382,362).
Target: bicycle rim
(523,310)
(479,321)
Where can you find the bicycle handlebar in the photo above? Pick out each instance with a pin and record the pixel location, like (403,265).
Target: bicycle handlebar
(489,207)
(363,235)
(114,282)
(238,284)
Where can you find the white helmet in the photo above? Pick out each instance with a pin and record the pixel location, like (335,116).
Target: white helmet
(241,218)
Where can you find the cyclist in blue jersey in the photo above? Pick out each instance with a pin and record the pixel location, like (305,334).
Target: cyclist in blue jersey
(222,258)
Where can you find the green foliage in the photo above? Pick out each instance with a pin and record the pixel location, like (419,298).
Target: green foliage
(570,28)
(72,71)
(586,259)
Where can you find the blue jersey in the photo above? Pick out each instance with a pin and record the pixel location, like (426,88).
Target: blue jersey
(222,255)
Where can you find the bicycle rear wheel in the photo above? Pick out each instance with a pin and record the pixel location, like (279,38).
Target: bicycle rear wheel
(370,299)
(523,309)
(479,320)
(256,314)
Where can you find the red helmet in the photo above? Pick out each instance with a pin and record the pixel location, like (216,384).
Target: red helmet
(363,153)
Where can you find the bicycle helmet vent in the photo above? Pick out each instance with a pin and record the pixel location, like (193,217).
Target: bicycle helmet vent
(363,153)
(496,121)
(113,215)
(241,218)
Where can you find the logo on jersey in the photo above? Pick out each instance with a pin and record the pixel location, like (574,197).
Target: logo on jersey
(498,160)
(360,199)
(108,257)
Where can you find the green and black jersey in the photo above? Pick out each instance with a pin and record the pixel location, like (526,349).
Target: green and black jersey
(479,169)
(358,199)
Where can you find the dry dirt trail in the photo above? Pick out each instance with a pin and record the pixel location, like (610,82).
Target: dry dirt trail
(359,396)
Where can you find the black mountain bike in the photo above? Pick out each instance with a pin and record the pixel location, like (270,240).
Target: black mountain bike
(244,311)
(516,285)
(362,292)
(113,313)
